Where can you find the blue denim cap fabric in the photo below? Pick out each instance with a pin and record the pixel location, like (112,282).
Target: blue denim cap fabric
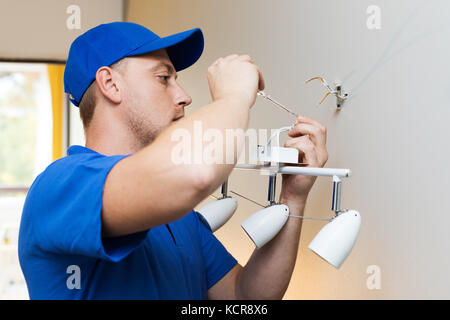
(108,43)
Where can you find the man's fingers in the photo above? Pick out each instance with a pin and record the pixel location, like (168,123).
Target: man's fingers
(261,82)
(318,133)
(306,119)
(215,63)
(246,57)
(231,56)
(307,150)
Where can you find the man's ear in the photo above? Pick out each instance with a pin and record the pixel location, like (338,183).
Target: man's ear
(109,84)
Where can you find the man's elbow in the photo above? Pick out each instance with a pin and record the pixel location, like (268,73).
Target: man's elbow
(203,180)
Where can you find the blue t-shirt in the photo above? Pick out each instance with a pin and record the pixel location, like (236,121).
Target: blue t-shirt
(63,256)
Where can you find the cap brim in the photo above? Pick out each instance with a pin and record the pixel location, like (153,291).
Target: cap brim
(183,48)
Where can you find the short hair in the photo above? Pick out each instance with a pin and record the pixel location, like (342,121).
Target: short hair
(89,100)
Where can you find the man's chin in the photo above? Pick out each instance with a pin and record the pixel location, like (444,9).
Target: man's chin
(177,119)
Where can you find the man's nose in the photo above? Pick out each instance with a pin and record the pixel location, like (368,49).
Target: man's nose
(183,99)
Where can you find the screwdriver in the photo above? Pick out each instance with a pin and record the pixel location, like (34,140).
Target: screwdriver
(268,97)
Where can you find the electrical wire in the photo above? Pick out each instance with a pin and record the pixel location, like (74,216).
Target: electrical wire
(240,195)
(309,218)
(293,216)
(277,135)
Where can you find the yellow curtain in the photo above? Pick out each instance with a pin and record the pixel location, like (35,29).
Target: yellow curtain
(56,75)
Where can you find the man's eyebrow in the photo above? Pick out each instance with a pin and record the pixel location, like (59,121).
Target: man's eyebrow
(169,68)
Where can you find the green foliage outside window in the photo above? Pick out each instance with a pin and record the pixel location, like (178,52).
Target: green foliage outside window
(17,127)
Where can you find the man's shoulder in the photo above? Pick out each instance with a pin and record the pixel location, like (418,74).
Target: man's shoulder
(56,173)
(50,170)
(68,163)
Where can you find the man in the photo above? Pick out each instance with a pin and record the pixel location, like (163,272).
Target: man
(114,219)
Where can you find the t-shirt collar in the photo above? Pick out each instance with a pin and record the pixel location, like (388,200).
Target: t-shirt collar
(76,149)
(79,149)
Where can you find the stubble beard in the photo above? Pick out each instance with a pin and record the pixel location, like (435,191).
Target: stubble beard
(143,129)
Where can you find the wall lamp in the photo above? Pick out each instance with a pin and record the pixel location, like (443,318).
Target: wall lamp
(334,241)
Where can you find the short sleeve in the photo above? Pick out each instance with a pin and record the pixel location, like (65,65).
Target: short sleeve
(66,206)
(218,261)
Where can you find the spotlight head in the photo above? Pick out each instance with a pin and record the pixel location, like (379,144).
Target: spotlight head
(336,239)
(218,212)
(264,224)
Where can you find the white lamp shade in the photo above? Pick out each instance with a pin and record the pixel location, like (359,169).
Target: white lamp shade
(264,224)
(336,239)
(218,212)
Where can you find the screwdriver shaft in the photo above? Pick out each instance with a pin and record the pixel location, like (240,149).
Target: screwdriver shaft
(268,97)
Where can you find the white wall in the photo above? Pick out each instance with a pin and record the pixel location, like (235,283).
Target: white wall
(392,132)
(38,29)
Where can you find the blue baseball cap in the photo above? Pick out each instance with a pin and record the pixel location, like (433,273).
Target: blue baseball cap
(108,43)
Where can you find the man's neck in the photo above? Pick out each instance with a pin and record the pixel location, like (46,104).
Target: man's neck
(110,138)
(110,149)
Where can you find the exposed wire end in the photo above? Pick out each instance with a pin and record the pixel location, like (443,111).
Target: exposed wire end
(329,89)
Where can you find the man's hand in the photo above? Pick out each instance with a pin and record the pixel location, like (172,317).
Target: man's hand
(309,137)
(235,77)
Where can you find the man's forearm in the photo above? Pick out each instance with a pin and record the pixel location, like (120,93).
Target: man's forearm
(268,272)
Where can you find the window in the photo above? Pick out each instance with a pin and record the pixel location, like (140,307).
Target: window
(26,137)
(25,123)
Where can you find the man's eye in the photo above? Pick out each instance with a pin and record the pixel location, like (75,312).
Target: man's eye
(165,78)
